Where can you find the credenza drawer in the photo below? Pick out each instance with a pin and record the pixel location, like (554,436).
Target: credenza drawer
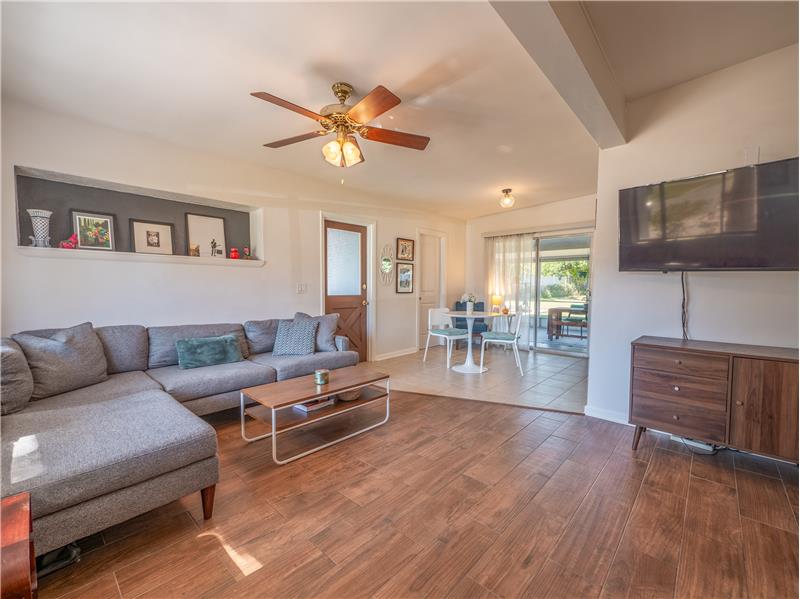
(692,390)
(681,418)
(681,362)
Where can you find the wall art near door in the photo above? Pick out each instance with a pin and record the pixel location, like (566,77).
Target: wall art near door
(405,277)
(386,265)
(94,231)
(148,237)
(205,236)
(405,249)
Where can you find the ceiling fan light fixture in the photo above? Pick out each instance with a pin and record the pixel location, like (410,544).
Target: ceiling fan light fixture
(351,152)
(332,151)
(507,201)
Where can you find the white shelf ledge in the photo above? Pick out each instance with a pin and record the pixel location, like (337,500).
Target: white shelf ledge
(60,253)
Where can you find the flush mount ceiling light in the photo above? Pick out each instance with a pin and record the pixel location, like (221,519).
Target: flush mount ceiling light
(345,121)
(507,201)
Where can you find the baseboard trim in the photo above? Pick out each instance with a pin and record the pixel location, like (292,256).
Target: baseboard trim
(613,416)
(395,354)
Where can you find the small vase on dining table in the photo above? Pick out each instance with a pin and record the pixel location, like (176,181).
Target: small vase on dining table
(470,307)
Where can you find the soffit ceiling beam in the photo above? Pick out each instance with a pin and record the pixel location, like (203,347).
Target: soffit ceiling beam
(560,39)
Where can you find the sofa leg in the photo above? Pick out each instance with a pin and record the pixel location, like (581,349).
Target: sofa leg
(207,495)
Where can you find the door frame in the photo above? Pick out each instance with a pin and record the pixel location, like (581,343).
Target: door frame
(442,271)
(370,224)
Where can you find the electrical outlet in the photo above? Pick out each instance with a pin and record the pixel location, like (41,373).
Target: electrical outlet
(302,288)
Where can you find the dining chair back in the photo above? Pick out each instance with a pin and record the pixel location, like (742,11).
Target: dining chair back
(439,326)
(503,338)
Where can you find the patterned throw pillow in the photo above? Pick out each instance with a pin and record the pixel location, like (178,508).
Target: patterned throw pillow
(295,337)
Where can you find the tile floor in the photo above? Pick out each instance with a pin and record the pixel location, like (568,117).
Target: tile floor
(550,381)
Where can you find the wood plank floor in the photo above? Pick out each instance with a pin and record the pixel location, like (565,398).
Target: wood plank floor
(461,499)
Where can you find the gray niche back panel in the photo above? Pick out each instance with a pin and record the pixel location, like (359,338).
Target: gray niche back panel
(61,197)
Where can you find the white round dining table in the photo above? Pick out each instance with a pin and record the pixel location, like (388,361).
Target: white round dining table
(469,366)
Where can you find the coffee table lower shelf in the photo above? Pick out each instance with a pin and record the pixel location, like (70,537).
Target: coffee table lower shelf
(284,419)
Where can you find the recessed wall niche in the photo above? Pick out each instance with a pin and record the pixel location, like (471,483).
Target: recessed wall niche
(63,194)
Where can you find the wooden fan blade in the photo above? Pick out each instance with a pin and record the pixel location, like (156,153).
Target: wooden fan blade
(396,138)
(293,140)
(374,104)
(285,104)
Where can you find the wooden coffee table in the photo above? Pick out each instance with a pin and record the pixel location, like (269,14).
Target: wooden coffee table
(275,400)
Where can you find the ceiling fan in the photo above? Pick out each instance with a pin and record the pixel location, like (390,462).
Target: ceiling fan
(345,120)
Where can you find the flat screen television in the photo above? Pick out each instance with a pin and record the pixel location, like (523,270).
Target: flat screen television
(740,219)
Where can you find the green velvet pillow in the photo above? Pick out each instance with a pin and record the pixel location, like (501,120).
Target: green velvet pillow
(208,351)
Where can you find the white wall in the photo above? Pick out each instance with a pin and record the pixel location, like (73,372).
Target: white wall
(550,216)
(709,124)
(43,292)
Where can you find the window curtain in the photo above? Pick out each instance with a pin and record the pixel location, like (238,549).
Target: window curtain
(511,272)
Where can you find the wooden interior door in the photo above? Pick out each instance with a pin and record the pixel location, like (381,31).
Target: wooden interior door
(764,407)
(429,277)
(346,281)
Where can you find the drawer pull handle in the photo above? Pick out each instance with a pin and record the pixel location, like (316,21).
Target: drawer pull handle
(676,388)
(739,403)
(675,417)
(678,362)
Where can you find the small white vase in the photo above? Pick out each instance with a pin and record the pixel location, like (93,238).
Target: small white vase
(470,307)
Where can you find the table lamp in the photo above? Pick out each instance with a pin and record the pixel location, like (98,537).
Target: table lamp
(497,300)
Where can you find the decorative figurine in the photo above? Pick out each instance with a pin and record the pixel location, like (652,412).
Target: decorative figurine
(234,254)
(69,244)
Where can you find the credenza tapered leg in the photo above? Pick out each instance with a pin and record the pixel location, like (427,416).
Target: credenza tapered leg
(637,434)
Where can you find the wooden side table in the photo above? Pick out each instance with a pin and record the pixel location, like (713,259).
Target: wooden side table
(18,570)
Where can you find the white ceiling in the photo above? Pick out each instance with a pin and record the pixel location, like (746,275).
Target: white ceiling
(654,45)
(183,73)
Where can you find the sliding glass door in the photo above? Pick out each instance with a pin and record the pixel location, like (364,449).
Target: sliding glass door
(545,281)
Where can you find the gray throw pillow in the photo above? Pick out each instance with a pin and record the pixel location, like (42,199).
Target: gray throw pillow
(295,337)
(64,359)
(261,335)
(326,332)
(17,381)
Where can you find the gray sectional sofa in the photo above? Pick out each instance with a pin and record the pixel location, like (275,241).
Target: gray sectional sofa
(97,455)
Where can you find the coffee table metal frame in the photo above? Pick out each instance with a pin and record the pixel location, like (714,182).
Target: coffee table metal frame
(274,417)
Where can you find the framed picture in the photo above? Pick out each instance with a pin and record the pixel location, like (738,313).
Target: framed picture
(205,236)
(94,231)
(405,277)
(149,237)
(405,249)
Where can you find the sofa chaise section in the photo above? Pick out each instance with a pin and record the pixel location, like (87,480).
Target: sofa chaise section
(94,446)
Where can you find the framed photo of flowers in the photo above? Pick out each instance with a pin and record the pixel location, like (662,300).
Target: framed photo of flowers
(95,231)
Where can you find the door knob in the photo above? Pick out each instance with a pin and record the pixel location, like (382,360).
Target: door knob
(364,302)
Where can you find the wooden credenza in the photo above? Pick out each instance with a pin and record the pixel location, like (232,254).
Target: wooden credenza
(740,396)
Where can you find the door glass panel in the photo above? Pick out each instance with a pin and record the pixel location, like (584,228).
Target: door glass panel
(344,262)
(562,321)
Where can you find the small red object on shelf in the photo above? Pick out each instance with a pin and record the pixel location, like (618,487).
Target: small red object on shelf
(69,244)
(234,254)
